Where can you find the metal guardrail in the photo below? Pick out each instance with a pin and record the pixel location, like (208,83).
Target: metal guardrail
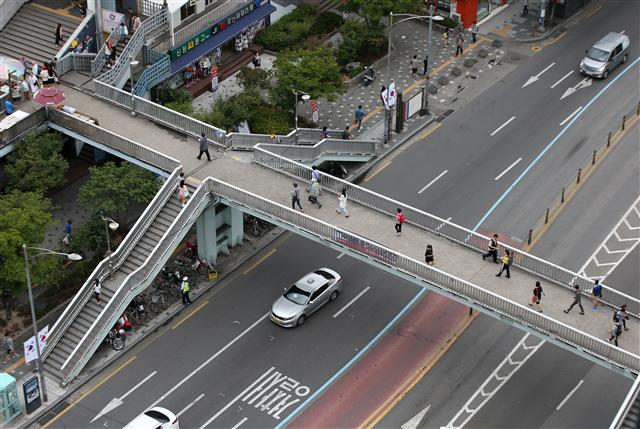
(100,60)
(149,8)
(73,61)
(622,414)
(117,259)
(572,186)
(244,141)
(441,227)
(23,126)
(315,134)
(3,97)
(323,147)
(153,74)
(134,284)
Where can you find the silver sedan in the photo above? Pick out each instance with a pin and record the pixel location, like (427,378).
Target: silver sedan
(306,296)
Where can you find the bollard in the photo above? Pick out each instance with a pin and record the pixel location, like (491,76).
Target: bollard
(624,119)
(638,110)
(546,217)
(579,173)
(593,158)
(470,311)
(609,140)
(562,196)
(530,235)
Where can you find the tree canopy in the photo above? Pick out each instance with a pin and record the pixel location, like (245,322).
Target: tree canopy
(374,11)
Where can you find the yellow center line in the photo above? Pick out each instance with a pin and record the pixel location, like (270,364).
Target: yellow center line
(555,39)
(595,9)
(87,393)
(402,391)
(428,132)
(378,170)
(261,260)
(185,318)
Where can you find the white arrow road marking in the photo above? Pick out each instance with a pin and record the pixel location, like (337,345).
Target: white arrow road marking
(415,420)
(116,402)
(502,126)
(184,410)
(537,77)
(508,168)
(584,83)
(570,116)
(563,78)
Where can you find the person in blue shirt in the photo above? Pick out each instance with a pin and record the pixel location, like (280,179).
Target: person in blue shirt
(8,106)
(359,116)
(596,294)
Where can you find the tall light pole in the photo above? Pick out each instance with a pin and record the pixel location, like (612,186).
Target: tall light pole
(109,224)
(70,256)
(304,97)
(385,102)
(425,104)
(133,63)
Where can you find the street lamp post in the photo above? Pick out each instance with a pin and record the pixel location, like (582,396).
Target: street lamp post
(133,63)
(387,108)
(304,97)
(113,225)
(431,17)
(70,256)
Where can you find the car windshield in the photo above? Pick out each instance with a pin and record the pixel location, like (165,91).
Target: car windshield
(157,416)
(297,295)
(598,54)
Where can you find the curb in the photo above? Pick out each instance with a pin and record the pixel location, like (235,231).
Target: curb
(576,17)
(81,381)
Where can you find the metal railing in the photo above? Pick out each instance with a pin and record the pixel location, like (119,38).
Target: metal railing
(118,257)
(3,97)
(441,227)
(315,134)
(153,74)
(243,141)
(161,114)
(23,126)
(628,403)
(76,33)
(149,8)
(73,61)
(581,175)
(322,148)
(134,284)
(100,60)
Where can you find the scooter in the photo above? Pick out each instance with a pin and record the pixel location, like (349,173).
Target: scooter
(369,75)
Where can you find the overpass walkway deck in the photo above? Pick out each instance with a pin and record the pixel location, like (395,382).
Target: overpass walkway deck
(369,234)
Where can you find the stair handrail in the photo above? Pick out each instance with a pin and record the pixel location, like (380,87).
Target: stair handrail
(75,34)
(98,63)
(627,404)
(75,61)
(322,148)
(23,126)
(133,284)
(118,257)
(153,74)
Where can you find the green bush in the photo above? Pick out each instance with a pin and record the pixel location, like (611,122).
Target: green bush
(270,119)
(290,30)
(361,43)
(326,22)
(448,22)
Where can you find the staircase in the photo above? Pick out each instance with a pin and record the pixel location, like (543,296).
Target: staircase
(30,34)
(119,48)
(82,323)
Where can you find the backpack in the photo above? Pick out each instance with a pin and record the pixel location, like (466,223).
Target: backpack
(401,218)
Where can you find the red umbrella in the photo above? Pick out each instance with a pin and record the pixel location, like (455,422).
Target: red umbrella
(49,95)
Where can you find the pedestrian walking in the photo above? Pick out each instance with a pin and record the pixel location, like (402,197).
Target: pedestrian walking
(183,193)
(493,249)
(506,260)
(459,44)
(15,92)
(256,60)
(596,294)
(577,300)
(342,203)
(414,65)
(359,115)
(295,197)
(184,288)
(445,36)
(114,56)
(622,316)
(525,7)
(7,344)
(59,35)
(315,174)
(345,134)
(428,255)
(123,31)
(325,133)
(130,16)
(51,68)
(8,106)
(474,31)
(97,289)
(32,79)
(25,89)
(616,331)
(400,219)
(204,147)
(425,65)
(137,23)
(537,296)
(314,193)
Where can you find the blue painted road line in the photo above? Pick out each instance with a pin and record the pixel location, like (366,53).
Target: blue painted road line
(352,361)
(550,145)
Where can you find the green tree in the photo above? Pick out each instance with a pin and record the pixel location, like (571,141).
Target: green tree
(361,43)
(24,218)
(373,11)
(37,163)
(314,72)
(253,78)
(112,188)
(230,112)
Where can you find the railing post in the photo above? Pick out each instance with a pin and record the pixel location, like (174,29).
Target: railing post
(609,140)
(638,109)
(546,217)
(562,196)
(624,120)
(579,173)
(530,236)
(593,158)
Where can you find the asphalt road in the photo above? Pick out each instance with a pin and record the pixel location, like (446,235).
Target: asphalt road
(200,352)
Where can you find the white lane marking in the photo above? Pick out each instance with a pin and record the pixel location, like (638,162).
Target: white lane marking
(563,78)
(502,126)
(508,168)
(415,420)
(116,402)
(351,302)
(340,256)
(240,423)
(568,118)
(184,410)
(496,381)
(233,401)
(537,77)
(208,361)
(433,181)
(569,395)
(584,83)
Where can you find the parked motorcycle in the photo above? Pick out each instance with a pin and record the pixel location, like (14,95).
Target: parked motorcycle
(369,75)
(116,338)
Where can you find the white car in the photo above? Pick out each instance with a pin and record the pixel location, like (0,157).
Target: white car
(155,418)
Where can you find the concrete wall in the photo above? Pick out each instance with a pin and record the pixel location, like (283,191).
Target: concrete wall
(8,8)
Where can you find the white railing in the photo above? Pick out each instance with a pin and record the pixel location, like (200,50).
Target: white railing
(153,74)
(149,8)
(98,63)
(625,408)
(322,148)
(23,126)
(72,61)
(444,228)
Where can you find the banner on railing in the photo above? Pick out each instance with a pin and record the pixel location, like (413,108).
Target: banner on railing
(366,248)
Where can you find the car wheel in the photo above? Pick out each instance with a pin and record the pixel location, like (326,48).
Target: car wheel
(606,73)
(334,295)
(625,58)
(300,321)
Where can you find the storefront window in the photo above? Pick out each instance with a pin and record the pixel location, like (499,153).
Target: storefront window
(187,10)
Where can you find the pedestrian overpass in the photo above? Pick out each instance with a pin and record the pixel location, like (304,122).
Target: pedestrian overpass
(228,186)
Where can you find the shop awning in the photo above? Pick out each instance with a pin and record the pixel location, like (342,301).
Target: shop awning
(222,37)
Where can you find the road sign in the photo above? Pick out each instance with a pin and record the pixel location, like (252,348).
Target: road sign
(214,78)
(315,115)
(30,352)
